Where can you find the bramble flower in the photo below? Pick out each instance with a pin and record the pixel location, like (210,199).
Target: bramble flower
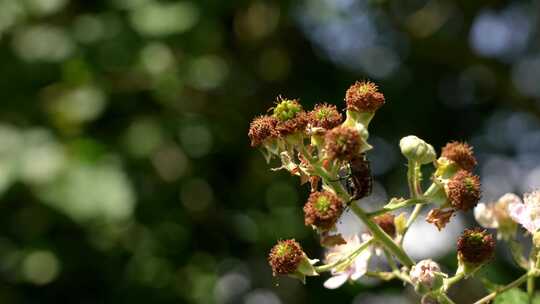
(475,246)
(426,276)
(463,190)
(527,213)
(342,143)
(353,270)
(324,117)
(364,97)
(461,154)
(288,258)
(497,215)
(322,210)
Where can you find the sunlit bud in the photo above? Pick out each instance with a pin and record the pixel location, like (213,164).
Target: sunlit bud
(463,190)
(364,97)
(475,247)
(322,210)
(426,276)
(287,109)
(287,258)
(417,150)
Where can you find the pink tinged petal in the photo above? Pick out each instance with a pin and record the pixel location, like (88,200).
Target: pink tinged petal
(518,213)
(336,281)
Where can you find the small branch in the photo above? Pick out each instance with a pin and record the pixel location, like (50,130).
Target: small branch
(405,203)
(453,280)
(492,295)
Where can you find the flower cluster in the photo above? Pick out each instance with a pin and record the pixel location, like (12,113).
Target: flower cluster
(330,151)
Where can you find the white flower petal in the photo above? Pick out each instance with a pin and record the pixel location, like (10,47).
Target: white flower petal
(336,281)
(485,217)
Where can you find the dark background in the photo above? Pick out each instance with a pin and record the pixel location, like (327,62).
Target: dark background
(126,174)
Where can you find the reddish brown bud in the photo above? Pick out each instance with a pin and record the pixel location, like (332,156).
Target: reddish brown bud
(364,97)
(439,217)
(324,116)
(460,153)
(463,190)
(475,246)
(261,129)
(285,257)
(386,222)
(322,210)
(342,143)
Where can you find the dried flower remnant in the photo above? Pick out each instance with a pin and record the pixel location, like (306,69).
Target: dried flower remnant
(324,116)
(364,97)
(261,129)
(440,217)
(461,154)
(342,143)
(322,210)
(285,257)
(475,246)
(463,190)
(386,222)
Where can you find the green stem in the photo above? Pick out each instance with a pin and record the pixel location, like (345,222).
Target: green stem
(382,237)
(453,280)
(411,178)
(403,204)
(351,256)
(530,280)
(513,284)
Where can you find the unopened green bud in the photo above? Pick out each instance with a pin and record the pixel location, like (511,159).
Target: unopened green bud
(417,150)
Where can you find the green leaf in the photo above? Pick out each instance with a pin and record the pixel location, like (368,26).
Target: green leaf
(512,296)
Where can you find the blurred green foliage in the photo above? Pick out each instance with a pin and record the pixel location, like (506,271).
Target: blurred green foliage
(125,170)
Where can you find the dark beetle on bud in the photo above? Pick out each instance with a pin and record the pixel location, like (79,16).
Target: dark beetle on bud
(358,181)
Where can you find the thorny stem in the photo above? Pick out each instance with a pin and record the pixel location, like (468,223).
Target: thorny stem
(513,284)
(351,256)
